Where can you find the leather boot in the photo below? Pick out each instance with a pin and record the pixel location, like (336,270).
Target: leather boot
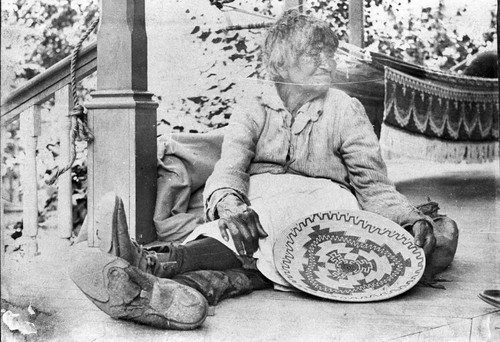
(112,233)
(446,234)
(124,292)
(218,285)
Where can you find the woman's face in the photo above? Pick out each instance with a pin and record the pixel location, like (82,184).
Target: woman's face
(313,70)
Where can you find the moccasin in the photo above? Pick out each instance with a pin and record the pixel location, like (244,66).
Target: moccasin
(125,292)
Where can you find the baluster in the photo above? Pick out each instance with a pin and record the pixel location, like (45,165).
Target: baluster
(30,130)
(3,142)
(5,276)
(63,105)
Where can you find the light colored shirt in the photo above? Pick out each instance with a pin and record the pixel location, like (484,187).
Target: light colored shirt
(331,137)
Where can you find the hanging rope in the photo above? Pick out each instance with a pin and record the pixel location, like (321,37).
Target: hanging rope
(79,130)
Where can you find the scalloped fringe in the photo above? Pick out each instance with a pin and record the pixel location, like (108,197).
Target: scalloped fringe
(396,143)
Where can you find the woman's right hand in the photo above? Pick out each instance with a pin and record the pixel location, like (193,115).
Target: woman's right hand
(243,224)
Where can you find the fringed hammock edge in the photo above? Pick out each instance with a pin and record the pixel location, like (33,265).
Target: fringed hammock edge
(428,120)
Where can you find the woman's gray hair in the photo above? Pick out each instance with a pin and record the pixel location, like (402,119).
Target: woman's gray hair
(292,35)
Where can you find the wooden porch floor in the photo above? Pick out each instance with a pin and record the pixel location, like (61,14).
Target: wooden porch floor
(468,193)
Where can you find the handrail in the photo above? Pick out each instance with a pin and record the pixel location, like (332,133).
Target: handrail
(41,87)
(24,103)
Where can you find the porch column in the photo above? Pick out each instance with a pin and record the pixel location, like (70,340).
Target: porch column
(3,225)
(122,115)
(294,4)
(356,23)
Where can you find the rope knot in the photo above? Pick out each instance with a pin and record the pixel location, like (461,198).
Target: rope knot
(79,128)
(78,110)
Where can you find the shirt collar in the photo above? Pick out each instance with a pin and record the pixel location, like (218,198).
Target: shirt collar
(309,112)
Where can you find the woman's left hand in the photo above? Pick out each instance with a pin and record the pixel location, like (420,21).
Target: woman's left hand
(424,236)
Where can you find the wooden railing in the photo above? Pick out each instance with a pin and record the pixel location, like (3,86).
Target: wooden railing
(24,104)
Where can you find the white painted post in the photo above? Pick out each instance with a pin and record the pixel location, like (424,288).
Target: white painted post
(3,140)
(30,130)
(122,116)
(356,23)
(293,4)
(4,279)
(62,108)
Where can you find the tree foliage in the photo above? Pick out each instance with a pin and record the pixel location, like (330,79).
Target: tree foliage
(40,33)
(237,57)
(49,28)
(426,37)
(36,35)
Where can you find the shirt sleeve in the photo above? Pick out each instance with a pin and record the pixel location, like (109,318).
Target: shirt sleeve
(238,150)
(360,150)
(216,197)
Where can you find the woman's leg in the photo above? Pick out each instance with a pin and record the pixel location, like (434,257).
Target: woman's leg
(204,253)
(166,261)
(218,285)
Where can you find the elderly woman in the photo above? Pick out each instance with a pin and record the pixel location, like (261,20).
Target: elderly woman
(304,148)
(299,149)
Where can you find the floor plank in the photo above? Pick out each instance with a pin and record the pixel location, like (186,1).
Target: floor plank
(466,193)
(457,332)
(486,328)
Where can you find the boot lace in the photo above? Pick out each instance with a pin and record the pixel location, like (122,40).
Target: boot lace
(148,259)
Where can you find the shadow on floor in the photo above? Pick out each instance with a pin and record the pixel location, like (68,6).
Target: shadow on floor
(458,187)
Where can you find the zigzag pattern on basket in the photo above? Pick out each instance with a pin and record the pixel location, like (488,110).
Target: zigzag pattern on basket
(321,235)
(440,111)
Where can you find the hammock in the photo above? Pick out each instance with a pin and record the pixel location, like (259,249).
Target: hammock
(439,118)
(428,114)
